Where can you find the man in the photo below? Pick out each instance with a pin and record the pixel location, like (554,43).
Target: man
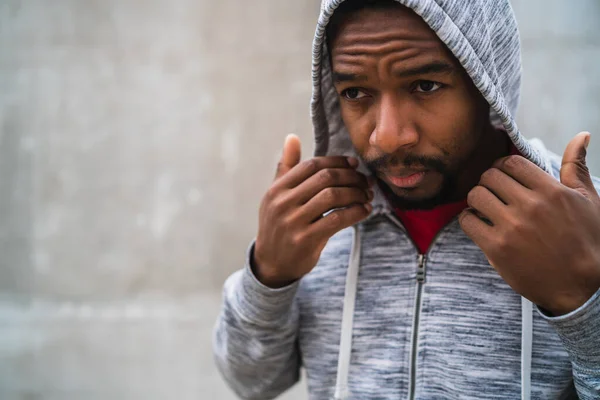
(416,280)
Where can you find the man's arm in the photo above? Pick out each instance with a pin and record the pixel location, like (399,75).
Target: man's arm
(543,237)
(255,337)
(580,334)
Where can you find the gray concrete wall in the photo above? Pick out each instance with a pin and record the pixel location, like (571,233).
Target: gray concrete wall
(136,140)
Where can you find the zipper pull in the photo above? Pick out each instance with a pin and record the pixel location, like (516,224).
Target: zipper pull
(421,269)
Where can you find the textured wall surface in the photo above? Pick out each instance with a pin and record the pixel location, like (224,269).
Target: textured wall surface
(136,140)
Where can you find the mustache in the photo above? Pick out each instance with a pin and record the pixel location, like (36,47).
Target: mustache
(388,161)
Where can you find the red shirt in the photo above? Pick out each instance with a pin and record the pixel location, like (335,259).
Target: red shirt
(423,225)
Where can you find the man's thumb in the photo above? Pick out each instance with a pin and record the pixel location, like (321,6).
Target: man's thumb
(290,156)
(574,172)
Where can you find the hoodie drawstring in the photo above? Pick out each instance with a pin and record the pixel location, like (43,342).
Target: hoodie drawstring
(526,347)
(341,385)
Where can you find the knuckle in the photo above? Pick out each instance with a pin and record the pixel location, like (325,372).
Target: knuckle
(311,165)
(464,221)
(502,244)
(462,217)
(514,162)
(335,220)
(556,194)
(490,175)
(578,165)
(476,195)
(533,206)
(326,176)
(278,204)
(516,227)
(583,168)
(519,227)
(297,239)
(331,194)
(269,196)
(288,221)
(473,195)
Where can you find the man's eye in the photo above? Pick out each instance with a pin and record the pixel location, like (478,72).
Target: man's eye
(428,86)
(353,94)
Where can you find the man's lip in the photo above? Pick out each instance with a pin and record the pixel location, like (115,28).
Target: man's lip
(403,173)
(406,179)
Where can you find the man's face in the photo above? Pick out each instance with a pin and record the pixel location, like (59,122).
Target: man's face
(413,114)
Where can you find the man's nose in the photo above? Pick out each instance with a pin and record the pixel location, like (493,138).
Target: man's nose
(395,127)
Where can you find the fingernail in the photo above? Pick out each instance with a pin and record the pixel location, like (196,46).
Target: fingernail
(370,194)
(586,142)
(368,207)
(353,162)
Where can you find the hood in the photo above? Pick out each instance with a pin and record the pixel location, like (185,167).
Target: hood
(481,34)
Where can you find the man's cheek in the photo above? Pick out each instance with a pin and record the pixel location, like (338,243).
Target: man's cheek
(458,150)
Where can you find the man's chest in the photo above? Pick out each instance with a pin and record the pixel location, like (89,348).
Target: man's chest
(442,323)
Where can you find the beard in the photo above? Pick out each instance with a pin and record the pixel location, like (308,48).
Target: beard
(444,195)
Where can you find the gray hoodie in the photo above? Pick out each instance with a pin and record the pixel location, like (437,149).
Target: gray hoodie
(377,320)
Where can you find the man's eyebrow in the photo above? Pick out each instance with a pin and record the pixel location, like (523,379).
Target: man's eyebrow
(340,77)
(436,67)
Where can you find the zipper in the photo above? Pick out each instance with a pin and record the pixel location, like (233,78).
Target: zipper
(421,272)
(421,275)
(421,269)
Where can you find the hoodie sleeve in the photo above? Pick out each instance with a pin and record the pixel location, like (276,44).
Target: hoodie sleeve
(255,338)
(580,333)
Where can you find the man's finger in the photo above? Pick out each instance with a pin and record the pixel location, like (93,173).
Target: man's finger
(503,186)
(487,204)
(574,172)
(290,156)
(327,178)
(337,220)
(308,168)
(479,231)
(333,198)
(525,172)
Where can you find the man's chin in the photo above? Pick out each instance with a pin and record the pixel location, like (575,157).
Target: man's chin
(410,203)
(415,198)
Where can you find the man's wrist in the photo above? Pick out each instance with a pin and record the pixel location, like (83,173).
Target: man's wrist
(258,303)
(579,331)
(265,277)
(570,303)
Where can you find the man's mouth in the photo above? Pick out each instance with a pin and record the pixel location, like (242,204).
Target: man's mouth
(406,179)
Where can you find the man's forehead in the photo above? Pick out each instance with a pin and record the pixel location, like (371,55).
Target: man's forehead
(387,32)
(378,27)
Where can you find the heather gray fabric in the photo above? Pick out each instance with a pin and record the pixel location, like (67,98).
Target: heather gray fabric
(462,324)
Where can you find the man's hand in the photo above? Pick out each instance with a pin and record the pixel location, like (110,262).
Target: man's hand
(292,230)
(543,236)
